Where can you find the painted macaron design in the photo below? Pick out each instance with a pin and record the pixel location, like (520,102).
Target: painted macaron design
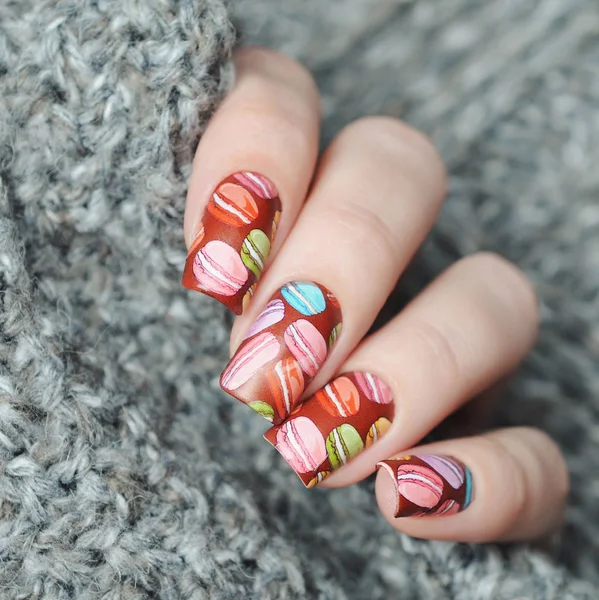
(449,507)
(263,409)
(253,357)
(257,184)
(334,335)
(273,313)
(219,269)
(343,444)
(429,485)
(255,250)
(233,205)
(377,430)
(241,216)
(307,345)
(318,478)
(448,468)
(374,388)
(286,382)
(305,297)
(420,485)
(275,226)
(301,353)
(301,444)
(348,421)
(339,398)
(247,297)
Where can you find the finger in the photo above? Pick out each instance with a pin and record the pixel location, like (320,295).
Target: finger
(468,329)
(514,488)
(250,175)
(376,195)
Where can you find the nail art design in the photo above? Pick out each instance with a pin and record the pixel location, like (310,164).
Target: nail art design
(429,485)
(234,240)
(347,416)
(283,350)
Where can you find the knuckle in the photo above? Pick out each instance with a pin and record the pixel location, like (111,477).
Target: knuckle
(514,479)
(366,227)
(550,456)
(515,287)
(396,137)
(443,347)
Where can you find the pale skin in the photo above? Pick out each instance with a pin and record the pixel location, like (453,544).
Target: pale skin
(353,218)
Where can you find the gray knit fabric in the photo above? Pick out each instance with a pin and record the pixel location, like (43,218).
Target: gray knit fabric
(124,472)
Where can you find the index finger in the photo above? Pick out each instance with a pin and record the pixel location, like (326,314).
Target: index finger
(250,175)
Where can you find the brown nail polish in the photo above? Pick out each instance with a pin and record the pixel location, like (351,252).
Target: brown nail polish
(341,420)
(234,239)
(429,485)
(284,349)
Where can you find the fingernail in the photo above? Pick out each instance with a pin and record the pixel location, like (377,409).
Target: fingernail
(234,239)
(284,349)
(330,428)
(429,485)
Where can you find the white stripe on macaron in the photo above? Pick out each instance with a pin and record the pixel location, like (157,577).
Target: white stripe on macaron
(207,265)
(299,340)
(296,445)
(330,392)
(281,376)
(227,206)
(339,446)
(293,289)
(255,255)
(416,477)
(258,182)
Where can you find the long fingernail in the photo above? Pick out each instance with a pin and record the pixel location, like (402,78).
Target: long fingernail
(234,239)
(284,349)
(341,420)
(429,485)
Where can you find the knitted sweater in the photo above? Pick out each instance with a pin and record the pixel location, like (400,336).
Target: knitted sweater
(125,473)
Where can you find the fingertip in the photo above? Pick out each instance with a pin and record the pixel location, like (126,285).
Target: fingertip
(386,491)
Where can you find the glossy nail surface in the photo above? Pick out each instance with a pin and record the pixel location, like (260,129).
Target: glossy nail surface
(330,428)
(234,239)
(429,485)
(284,349)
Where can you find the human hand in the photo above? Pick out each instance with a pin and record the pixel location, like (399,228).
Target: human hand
(335,234)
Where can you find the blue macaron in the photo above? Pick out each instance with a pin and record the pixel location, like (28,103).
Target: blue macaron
(305,297)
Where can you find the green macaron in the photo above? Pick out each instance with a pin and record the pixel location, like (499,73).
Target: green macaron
(263,409)
(343,443)
(254,250)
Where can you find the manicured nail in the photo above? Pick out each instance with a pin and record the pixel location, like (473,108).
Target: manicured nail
(330,428)
(429,485)
(284,349)
(234,239)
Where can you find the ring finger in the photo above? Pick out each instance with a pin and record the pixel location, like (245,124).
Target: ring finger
(469,328)
(250,175)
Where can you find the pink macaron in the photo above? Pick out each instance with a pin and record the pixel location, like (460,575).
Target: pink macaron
(250,358)
(373,388)
(219,269)
(420,485)
(449,507)
(307,346)
(273,313)
(301,444)
(257,184)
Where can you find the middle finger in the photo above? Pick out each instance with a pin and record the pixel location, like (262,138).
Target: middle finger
(377,191)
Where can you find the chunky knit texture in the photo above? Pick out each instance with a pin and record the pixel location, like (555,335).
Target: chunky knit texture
(124,472)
